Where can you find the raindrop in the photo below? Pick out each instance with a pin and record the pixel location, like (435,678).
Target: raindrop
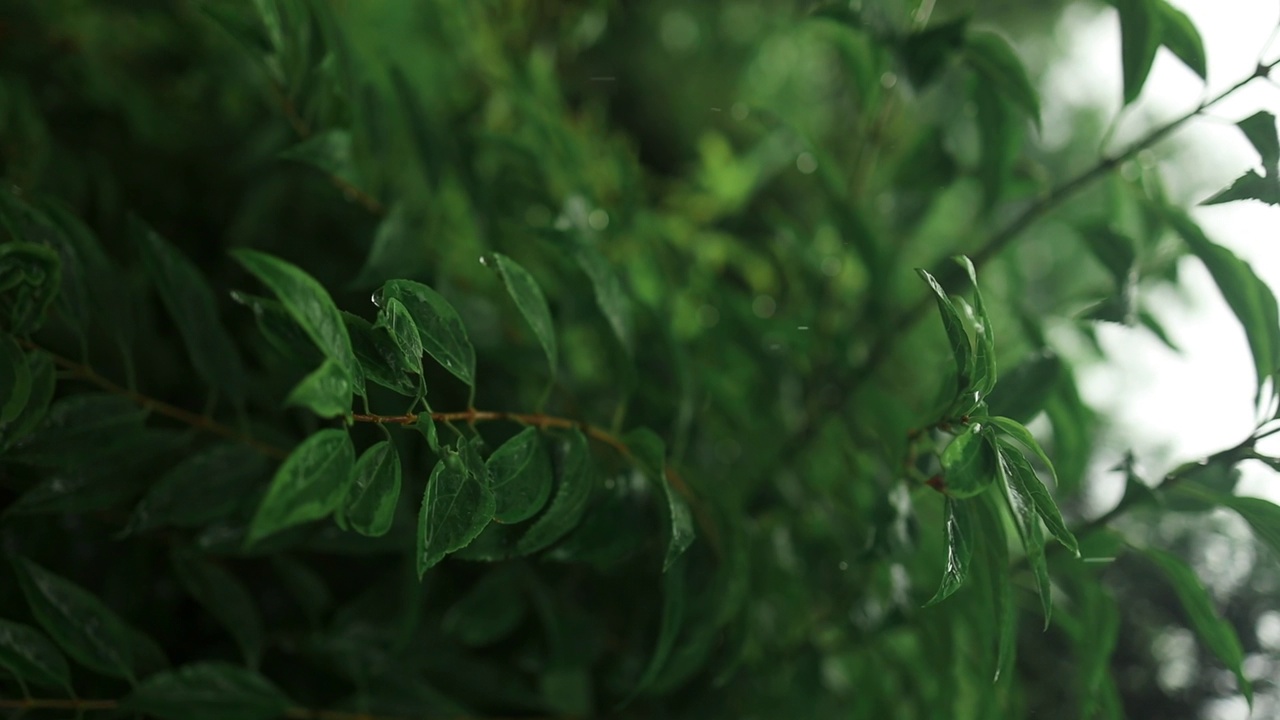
(484,260)
(375,299)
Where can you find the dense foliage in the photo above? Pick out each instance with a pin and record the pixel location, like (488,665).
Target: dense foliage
(566,359)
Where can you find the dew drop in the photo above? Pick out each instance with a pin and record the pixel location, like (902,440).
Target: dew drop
(374,299)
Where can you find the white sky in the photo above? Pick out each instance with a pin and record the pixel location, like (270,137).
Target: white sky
(1173,408)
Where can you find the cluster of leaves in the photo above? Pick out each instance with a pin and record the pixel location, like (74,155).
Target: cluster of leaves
(226,504)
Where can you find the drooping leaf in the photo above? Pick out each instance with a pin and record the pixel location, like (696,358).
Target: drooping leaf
(673,619)
(82,428)
(370,505)
(985,352)
(28,655)
(612,300)
(310,305)
(394,317)
(991,560)
(575,479)
(961,348)
(86,629)
(969,463)
(1025,475)
(520,477)
(311,483)
(490,610)
(204,487)
(650,455)
(991,56)
(224,596)
(1026,519)
(443,335)
(190,302)
(1140,35)
(927,51)
(532,304)
(40,370)
(457,505)
(1249,186)
(1214,631)
(1179,34)
(1260,128)
(208,691)
(325,392)
(1022,392)
(378,356)
(959,527)
(15,380)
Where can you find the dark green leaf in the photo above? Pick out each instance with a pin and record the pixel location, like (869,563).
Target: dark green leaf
(1262,515)
(612,300)
(398,249)
(985,355)
(90,632)
(532,304)
(673,617)
(992,562)
(305,585)
(325,392)
(455,508)
(961,348)
(310,305)
(312,482)
(329,152)
(969,463)
(225,597)
(240,25)
(82,488)
(378,356)
(1214,631)
(204,487)
(1249,186)
(28,655)
(41,372)
(1260,128)
(30,275)
(1117,251)
(998,65)
(490,611)
(520,477)
(208,691)
(1000,135)
(1179,34)
(1026,519)
(575,478)
(394,317)
(650,455)
(371,502)
(82,428)
(1022,391)
(1025,475)
(191,304)
(959,526)
(443,335)
(1140,36)
(15,380)
(926,52)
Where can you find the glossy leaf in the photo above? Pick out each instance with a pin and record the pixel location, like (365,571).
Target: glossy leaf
(15,380)
(991,558)
(612,300)
(207,485)
(311,483)
(190,302)
(87,630)
(1025,475)
(325,392)
(394,317)
(991,56)
(985,352)
(959,532)
(1026,519)
(969,463)
(28,655)
(208,691)
(520,476)
(224,597)
(961,348)
(457,505)
(310,305)
(1214,631)
(443,335)
(378,356)
(649,453)
(370,505)
(575,479)
(1140,35)
(528,297)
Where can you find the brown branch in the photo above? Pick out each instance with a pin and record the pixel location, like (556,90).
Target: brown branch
(195,420)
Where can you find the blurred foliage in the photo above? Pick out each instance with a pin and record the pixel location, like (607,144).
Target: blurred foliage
(689,442)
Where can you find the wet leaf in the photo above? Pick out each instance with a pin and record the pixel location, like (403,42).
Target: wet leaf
(456,507)
(532,304)
(969,464)
(371,502)
(959,526)
(520,476)
(443,335)
(575,479)
(396,320)
(325,392)
(649,453)
(311,483)
(28,655)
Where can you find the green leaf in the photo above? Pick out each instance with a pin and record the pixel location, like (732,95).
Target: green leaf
(969,463)
(30,276)
(82,428)
(394,317)
(520,477)
(985,355)
(311,483)
(575,478)
(329,152)
(371,502)
(443,335)
(41,372)
(208,691)
(610,296)
(1140,35)
(1022,507)
(961,349)
(1023,391)
(1000,135)
(995,62)
(490,611)
(1262,515)
(1179,34)
(280,330)
(455,508)
(992,563)
(15,380)
(1249,186)
(90,632)
(224,596)
(325,392)
(190,302)
(378,356)
(1116,250)
(959,527)
(305,585)
(206,486)
(650,455)
(310,305)
(81,489)
(673,619)
(1214,631)
(926,52)
(398,249)
(28,655)
(1260,128)
(1026,476)
(240,25)
(1248,296)
(532,304)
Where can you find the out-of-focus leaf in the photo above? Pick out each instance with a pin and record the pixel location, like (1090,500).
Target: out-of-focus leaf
(650,455)
(82,428)
(926,52)
(991,56)
(959,526)
(371,502)
(28,655)
(443,335)
(30,275)
(1249,186)
(457,505)
(992,558)
(520,477)
(40,372)
(1000,135)
(1260,128)
(1022,391)
(612,300)
(329,152)
(311,483)
(224,596)
(1262,515)
(204,487)
(15,380)
(1140,35)
(490,611)
(532,304)
(399,248)
(673,618)
(208,691)
(1179,34)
